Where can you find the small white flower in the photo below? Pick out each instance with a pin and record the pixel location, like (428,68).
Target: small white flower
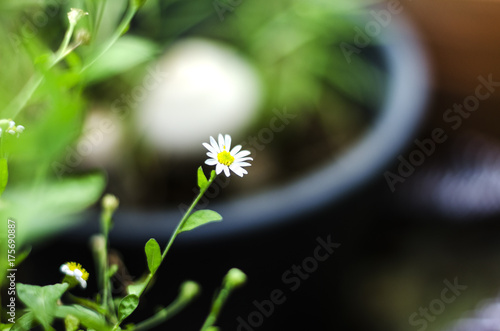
(76,270)
(75,14)
(13,129)
(226,159)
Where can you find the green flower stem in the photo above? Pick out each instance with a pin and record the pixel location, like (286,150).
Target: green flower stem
(179,226)
(62,51)
(163,315)
(217,307)
(188,212)
(20,101)
(22,98)
(122,28)
(99,14)
(234,278)
(107,298)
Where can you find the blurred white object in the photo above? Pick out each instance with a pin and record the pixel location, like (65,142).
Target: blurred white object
(207,88)
(100,144)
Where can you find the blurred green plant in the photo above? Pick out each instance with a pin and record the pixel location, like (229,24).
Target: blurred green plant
(42,89)
(46,304)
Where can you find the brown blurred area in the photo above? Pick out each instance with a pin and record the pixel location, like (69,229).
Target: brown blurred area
(463,42)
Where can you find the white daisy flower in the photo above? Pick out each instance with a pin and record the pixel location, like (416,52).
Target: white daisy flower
(225,159)
(76,270)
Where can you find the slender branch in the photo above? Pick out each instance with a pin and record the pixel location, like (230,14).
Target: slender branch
(122,28)
(163,315)
(176,232)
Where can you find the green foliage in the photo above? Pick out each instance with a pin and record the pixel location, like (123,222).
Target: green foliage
(71,323)
(137,288)
(41,300)
(137,51)
(87,317)
(51,205)
(127,306)
(4,175)
(137,3)
(199,218)
(25,322)
(153,255)
(202,180)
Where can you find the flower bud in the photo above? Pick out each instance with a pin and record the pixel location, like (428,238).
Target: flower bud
(235,278)
(75,14)
(189,289)
(83,37)
(110,203)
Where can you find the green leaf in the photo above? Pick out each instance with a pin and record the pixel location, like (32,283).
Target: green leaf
(138,3)
(128,52)
(87,303)
(88,318)
(41,300)
(127,306)
(137,288)
(112,270)
(71,323)
(212,175)
(153,255)
(52,206)
(4,175)
(200,217)
(202,180)
(24,323)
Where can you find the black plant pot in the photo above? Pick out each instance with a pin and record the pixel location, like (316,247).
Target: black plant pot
(399,55)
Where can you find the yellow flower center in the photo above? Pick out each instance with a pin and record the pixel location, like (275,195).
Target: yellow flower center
(73,265)
(225,158)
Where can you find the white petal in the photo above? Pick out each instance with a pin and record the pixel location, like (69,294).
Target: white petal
(235,150)
(219,168)
(82,282)
(242,153)
(221,142)
(211,162)
(241,164)
(210,148)
(242,159)
(226,171)
(65,269)
(11,124)
(20,128)
(214,144)
(212,155)
(237,170)
(227,142)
